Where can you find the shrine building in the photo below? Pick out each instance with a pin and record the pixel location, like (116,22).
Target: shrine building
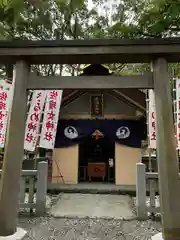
(99,134)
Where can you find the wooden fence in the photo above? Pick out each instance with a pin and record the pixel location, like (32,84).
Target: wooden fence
(33,189)
(147,192)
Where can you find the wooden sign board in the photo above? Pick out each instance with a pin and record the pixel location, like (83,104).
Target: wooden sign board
(96,105)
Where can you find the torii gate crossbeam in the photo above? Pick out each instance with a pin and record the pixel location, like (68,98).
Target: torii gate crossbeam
(90,51)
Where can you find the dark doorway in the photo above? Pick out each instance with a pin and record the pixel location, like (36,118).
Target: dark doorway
(97,151)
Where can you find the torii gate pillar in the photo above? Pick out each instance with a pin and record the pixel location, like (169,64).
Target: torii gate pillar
(166,152)
(14,151)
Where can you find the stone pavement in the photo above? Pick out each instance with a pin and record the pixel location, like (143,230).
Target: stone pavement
(76,205)
(49,228)
(100,227)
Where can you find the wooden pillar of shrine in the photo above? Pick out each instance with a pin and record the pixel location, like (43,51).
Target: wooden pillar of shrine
(166,152)
(14,151)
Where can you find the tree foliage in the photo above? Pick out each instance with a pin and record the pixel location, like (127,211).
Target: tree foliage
(148,18)
(125,18)
(18,6)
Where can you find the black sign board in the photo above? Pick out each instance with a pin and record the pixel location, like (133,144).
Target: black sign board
(96,104)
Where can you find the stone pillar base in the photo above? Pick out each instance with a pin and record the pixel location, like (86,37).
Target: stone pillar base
(20,233)
(158,236)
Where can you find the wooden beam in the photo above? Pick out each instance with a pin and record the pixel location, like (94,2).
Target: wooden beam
(129,102)
(90,82)
(90,51)
(134,96)
(14,151)
(73,98)
(65,98)
(106,116)
(168,165)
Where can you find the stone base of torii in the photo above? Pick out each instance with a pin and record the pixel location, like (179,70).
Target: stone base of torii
(158,236)
(18,235)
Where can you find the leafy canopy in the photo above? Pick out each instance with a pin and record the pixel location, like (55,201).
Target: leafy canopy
(18,6)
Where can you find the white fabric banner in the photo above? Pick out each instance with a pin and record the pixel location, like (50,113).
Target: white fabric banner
(33,120)
(5,99)
(178,111)
(152,120)
(51,116)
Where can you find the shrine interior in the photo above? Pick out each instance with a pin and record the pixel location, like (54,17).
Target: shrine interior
(99,150)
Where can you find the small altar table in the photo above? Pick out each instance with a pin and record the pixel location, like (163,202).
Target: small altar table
(96,170)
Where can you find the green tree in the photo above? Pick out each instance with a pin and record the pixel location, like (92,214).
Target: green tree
(58,21)
(18,6)
(147,18)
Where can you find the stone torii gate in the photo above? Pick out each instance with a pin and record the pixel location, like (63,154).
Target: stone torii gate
(157,51)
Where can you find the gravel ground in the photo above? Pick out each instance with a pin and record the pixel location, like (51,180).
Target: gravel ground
(48,228)
(157,204)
